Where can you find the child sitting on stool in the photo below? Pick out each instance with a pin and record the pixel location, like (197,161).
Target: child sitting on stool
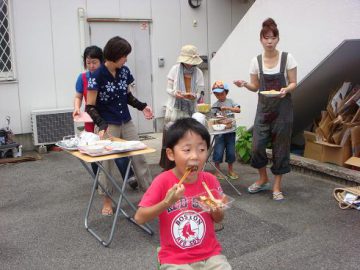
(225,141)
(187,235)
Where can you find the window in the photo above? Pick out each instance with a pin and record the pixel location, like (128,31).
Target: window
(6,59)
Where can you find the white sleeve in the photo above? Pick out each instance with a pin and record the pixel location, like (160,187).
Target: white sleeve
(171,80)
(254,66)
(291,62)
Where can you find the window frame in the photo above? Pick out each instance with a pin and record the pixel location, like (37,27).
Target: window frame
(8,76)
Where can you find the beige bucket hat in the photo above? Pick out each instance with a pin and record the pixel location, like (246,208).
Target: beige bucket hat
(189,55)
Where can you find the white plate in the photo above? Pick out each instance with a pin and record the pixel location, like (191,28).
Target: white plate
(61,145)
(125,146)
(269,93)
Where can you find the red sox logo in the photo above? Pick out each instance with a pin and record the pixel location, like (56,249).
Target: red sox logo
(188,229)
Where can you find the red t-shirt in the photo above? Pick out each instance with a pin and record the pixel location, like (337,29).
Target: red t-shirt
(186,234)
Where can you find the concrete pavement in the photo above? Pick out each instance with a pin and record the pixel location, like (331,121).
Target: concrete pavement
(42,207)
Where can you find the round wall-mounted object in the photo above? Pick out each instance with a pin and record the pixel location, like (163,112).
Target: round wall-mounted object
(194,3)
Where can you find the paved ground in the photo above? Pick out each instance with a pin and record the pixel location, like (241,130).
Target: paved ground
(42,206)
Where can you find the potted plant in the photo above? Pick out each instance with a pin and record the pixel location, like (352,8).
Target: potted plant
(243,144)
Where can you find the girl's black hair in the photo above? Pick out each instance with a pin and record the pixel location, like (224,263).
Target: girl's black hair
(116,48)
(181,127)
(93,52)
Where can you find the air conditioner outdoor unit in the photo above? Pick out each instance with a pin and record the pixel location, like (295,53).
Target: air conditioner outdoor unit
(50,126)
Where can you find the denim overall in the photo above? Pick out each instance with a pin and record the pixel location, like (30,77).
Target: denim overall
(273,121)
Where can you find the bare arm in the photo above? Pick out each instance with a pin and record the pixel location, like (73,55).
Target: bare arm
(253,85)
(145,214)
(233,109)
(292,78)
(91,97)
(77,104)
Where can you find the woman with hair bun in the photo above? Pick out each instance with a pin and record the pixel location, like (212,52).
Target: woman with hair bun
(271,70)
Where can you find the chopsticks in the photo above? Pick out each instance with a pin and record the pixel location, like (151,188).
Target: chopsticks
(186,174)
(209,192)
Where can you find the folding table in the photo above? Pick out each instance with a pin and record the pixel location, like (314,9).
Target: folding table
(84,159)
(211,150)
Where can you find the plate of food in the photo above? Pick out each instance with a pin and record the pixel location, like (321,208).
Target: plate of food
(125,146)
(270,93)
(95,148)
(212,199)
(69,143)
(203,107)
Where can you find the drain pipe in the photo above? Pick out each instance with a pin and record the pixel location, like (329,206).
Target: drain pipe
(81,20)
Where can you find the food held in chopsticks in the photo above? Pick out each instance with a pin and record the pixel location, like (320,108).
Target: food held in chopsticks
(192,168)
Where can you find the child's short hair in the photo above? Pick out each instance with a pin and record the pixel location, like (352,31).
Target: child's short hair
(219,87)
(181,127)
(93,52)
(116,48)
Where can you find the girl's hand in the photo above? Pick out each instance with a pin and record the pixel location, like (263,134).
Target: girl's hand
(101,134)
(174,194)
(178,94)
(189,96)
(240,83)
(224,108)
(76,112)
(148,113)
(282,92)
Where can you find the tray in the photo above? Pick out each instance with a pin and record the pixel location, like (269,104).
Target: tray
(114,148)
(226,200)
(69,143)
(65,147)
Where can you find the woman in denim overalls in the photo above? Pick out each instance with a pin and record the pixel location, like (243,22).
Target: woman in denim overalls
(273,70)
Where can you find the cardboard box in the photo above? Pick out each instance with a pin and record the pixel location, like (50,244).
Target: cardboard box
(326,152)
(355,141)
(353,161)
(312,149)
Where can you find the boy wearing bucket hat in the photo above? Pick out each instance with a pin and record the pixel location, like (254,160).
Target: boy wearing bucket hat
(184,85)
(224,142)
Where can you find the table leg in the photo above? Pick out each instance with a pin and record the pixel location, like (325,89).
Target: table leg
(146,227)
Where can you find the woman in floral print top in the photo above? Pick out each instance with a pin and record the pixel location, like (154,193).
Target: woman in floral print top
(108,98)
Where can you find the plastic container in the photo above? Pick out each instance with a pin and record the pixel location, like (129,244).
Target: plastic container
(218,127)
(222,200)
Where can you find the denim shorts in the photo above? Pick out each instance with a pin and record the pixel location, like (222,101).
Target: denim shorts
(224,143)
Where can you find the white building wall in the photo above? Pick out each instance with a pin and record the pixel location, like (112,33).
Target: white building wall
(48,50)
(309,30)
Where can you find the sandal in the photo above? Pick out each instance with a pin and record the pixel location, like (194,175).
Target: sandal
(278,196)
(107,211)
(218,227)
(255,188)
(233,175)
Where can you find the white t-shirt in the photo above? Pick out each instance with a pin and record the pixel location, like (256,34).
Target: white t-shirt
(290,64)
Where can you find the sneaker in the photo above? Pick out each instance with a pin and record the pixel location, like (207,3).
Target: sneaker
(132,182)
(278,196)
(255,188)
